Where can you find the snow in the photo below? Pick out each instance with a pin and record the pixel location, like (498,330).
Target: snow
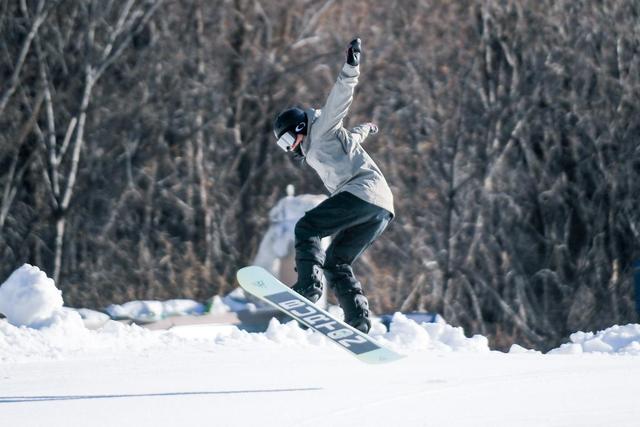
(218,306)
(405,335)
(285,376)
(150,311)
(92,319)
(29,297)
(61,373)
(518,349)
(236,300)
(618,339)
(67,336)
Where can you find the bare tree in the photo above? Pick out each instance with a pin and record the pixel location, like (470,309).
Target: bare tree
(40,14)
(102,51)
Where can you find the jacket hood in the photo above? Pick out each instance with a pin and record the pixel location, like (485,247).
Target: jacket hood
(312,116)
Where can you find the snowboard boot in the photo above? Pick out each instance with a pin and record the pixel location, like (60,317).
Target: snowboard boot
(309,283)
(356,309)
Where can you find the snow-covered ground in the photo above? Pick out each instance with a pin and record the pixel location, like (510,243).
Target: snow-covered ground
(59,373)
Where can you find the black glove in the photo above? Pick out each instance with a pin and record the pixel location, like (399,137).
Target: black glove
(353,52)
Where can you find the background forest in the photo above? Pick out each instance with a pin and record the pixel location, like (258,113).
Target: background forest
(137,159)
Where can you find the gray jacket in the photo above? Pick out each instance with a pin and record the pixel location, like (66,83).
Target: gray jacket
(336,153)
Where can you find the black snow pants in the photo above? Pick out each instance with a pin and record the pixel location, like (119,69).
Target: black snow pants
(355,225)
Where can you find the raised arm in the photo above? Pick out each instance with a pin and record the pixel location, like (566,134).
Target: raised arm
(341,95)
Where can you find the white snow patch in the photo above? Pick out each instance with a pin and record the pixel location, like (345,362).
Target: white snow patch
(182,307)
(151,311)
(618,339)
(30,298)
(218,306)
(405,335)
(66,336)
(278,334)
(39,327)
(145,311)
(92,319)
(518,349)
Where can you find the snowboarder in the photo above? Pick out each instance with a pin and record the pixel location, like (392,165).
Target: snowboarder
(361,203)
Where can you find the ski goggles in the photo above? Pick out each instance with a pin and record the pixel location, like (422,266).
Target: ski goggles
(286,141)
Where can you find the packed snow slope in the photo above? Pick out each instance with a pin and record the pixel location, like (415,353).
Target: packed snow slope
(56,372)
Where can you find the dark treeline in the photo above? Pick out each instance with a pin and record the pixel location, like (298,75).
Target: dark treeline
(137,159)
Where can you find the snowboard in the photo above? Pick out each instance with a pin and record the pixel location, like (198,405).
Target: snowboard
(260,283)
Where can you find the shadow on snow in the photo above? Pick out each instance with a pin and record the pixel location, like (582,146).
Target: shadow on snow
(19,399)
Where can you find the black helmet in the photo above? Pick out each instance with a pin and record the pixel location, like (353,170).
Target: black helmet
(290,120)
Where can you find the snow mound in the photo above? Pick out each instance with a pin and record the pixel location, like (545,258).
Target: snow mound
(278,334)
(617,339)
(39,327)
(30,298)
(66,336)
(405,335)
(518,349)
